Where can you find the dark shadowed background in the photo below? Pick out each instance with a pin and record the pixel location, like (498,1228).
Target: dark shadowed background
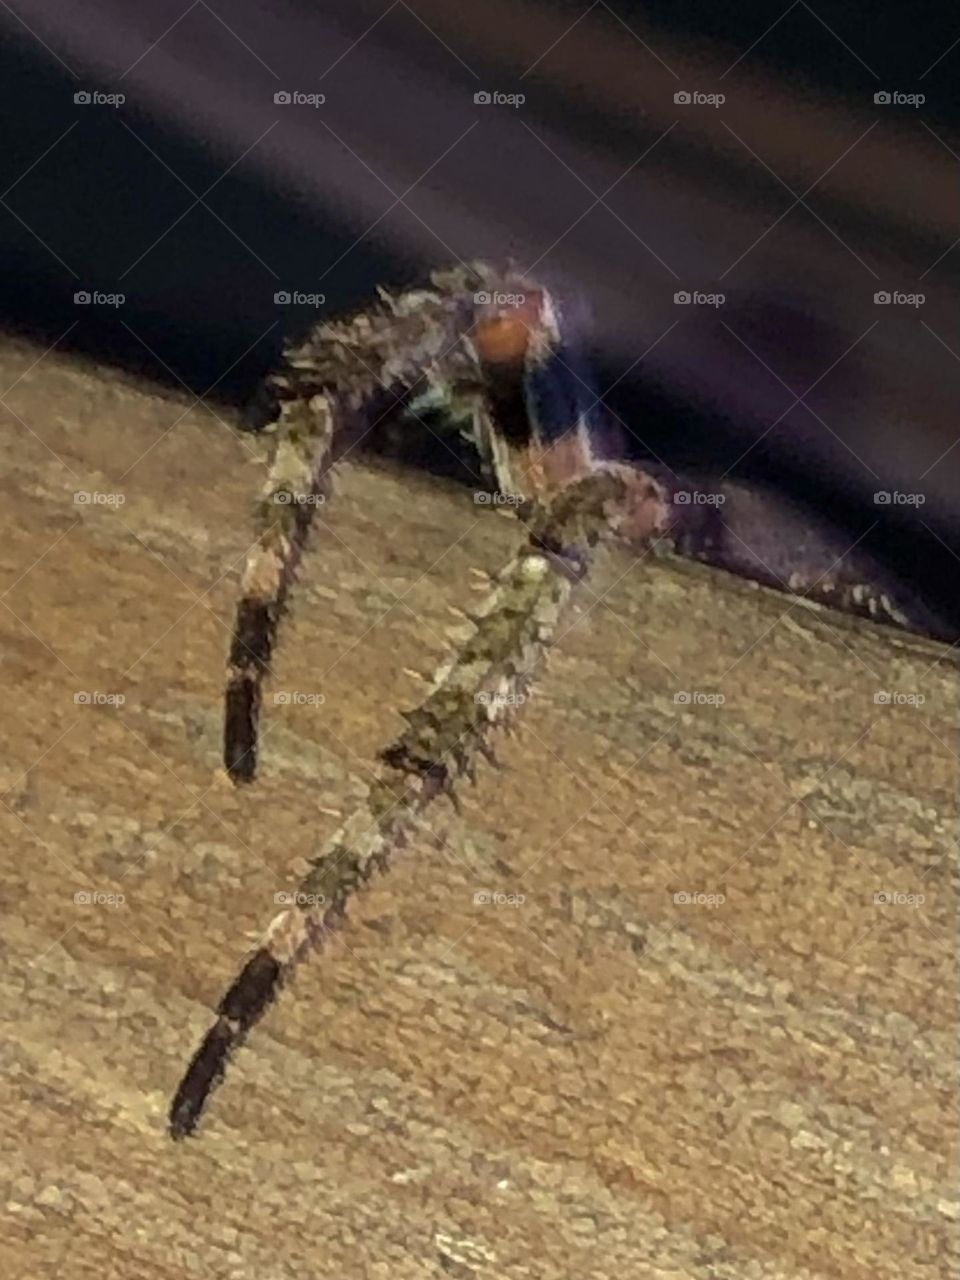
(799,197)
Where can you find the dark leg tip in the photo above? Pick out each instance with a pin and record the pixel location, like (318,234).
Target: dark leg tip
(241,768)
(203,1074)
(239,730)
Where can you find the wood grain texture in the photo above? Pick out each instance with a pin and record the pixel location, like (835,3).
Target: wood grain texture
(599,1080)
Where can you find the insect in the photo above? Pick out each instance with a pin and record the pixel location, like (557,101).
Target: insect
(488,344)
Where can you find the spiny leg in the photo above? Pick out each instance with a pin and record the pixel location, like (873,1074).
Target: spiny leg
(444,738)
(284,513)
(344,373)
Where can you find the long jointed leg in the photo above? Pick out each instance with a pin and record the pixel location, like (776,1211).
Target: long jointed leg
(443,739)
(348,372)
(284,512)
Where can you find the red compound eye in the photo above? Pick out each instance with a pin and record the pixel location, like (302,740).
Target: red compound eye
(502,334)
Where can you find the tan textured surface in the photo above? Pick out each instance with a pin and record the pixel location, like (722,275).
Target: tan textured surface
(598,1082)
